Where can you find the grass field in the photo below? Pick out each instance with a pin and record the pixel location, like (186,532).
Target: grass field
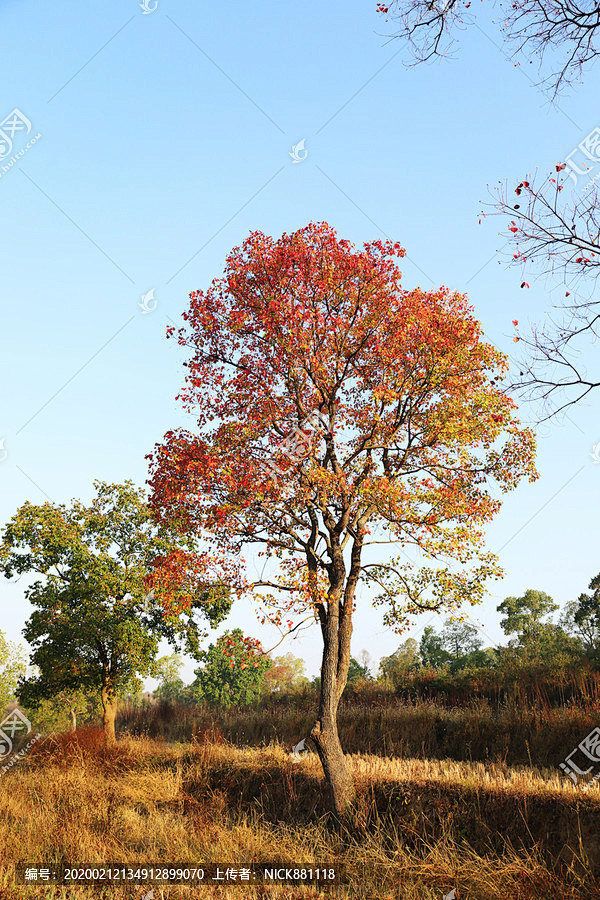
(422,827)
(532,733)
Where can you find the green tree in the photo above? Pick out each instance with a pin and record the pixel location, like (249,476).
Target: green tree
(357,671)
(460,638)
(286,674)
(392,669)
(233,671)
(13,665)
(170,687)
(581,617)
(523,617)
(431,649)
(65,710)
(95,625)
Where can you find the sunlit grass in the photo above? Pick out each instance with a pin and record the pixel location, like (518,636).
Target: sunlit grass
(147,801)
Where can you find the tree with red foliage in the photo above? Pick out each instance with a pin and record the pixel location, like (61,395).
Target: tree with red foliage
(413,426)
(232,671)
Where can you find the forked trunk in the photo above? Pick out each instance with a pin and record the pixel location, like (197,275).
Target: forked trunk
(334,671)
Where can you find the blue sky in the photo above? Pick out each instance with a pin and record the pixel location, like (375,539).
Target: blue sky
(165,139)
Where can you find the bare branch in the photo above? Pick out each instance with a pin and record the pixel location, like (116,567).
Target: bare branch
(559,233)
(568,31)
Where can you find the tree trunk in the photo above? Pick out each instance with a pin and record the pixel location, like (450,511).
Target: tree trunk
(341,786)
(109,712)
(73,719)
(334,671)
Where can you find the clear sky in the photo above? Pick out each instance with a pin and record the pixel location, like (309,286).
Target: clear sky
(166,139)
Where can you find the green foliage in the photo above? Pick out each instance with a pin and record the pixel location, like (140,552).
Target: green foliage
(13,664)
(431,649)
(392,669)
(457,647)
(460,638)
(538,641)
(233,671)
(524,616)
(357,672)
(95,627)
(582,618)
(170,688)
(475,660)
(286,674)
(64,711)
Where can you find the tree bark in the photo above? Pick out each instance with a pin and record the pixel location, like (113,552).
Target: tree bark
(335,766)
(334,671)
(109,712)
(73,719)
(335,615)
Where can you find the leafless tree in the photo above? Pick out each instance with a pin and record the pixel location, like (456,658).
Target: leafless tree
(566,30)
(558,231)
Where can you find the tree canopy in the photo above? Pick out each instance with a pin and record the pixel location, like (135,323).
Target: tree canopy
(13,665)
(102,599)
(408,426)
(523,616)
(232,671)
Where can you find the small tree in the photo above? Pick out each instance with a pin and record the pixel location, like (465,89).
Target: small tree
(524,618)
(64,711)
(392,669)
(357,672)
(582,617)
(381,407)
(13,664)
(170,687)
(432,650)
(286,674)
(96,624)
(233,671)
(460,638)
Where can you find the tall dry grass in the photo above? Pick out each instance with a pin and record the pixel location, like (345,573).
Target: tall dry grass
(421,828)
(385,725)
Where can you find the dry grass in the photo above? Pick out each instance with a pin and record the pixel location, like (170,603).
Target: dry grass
(422,827)
(383,725)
